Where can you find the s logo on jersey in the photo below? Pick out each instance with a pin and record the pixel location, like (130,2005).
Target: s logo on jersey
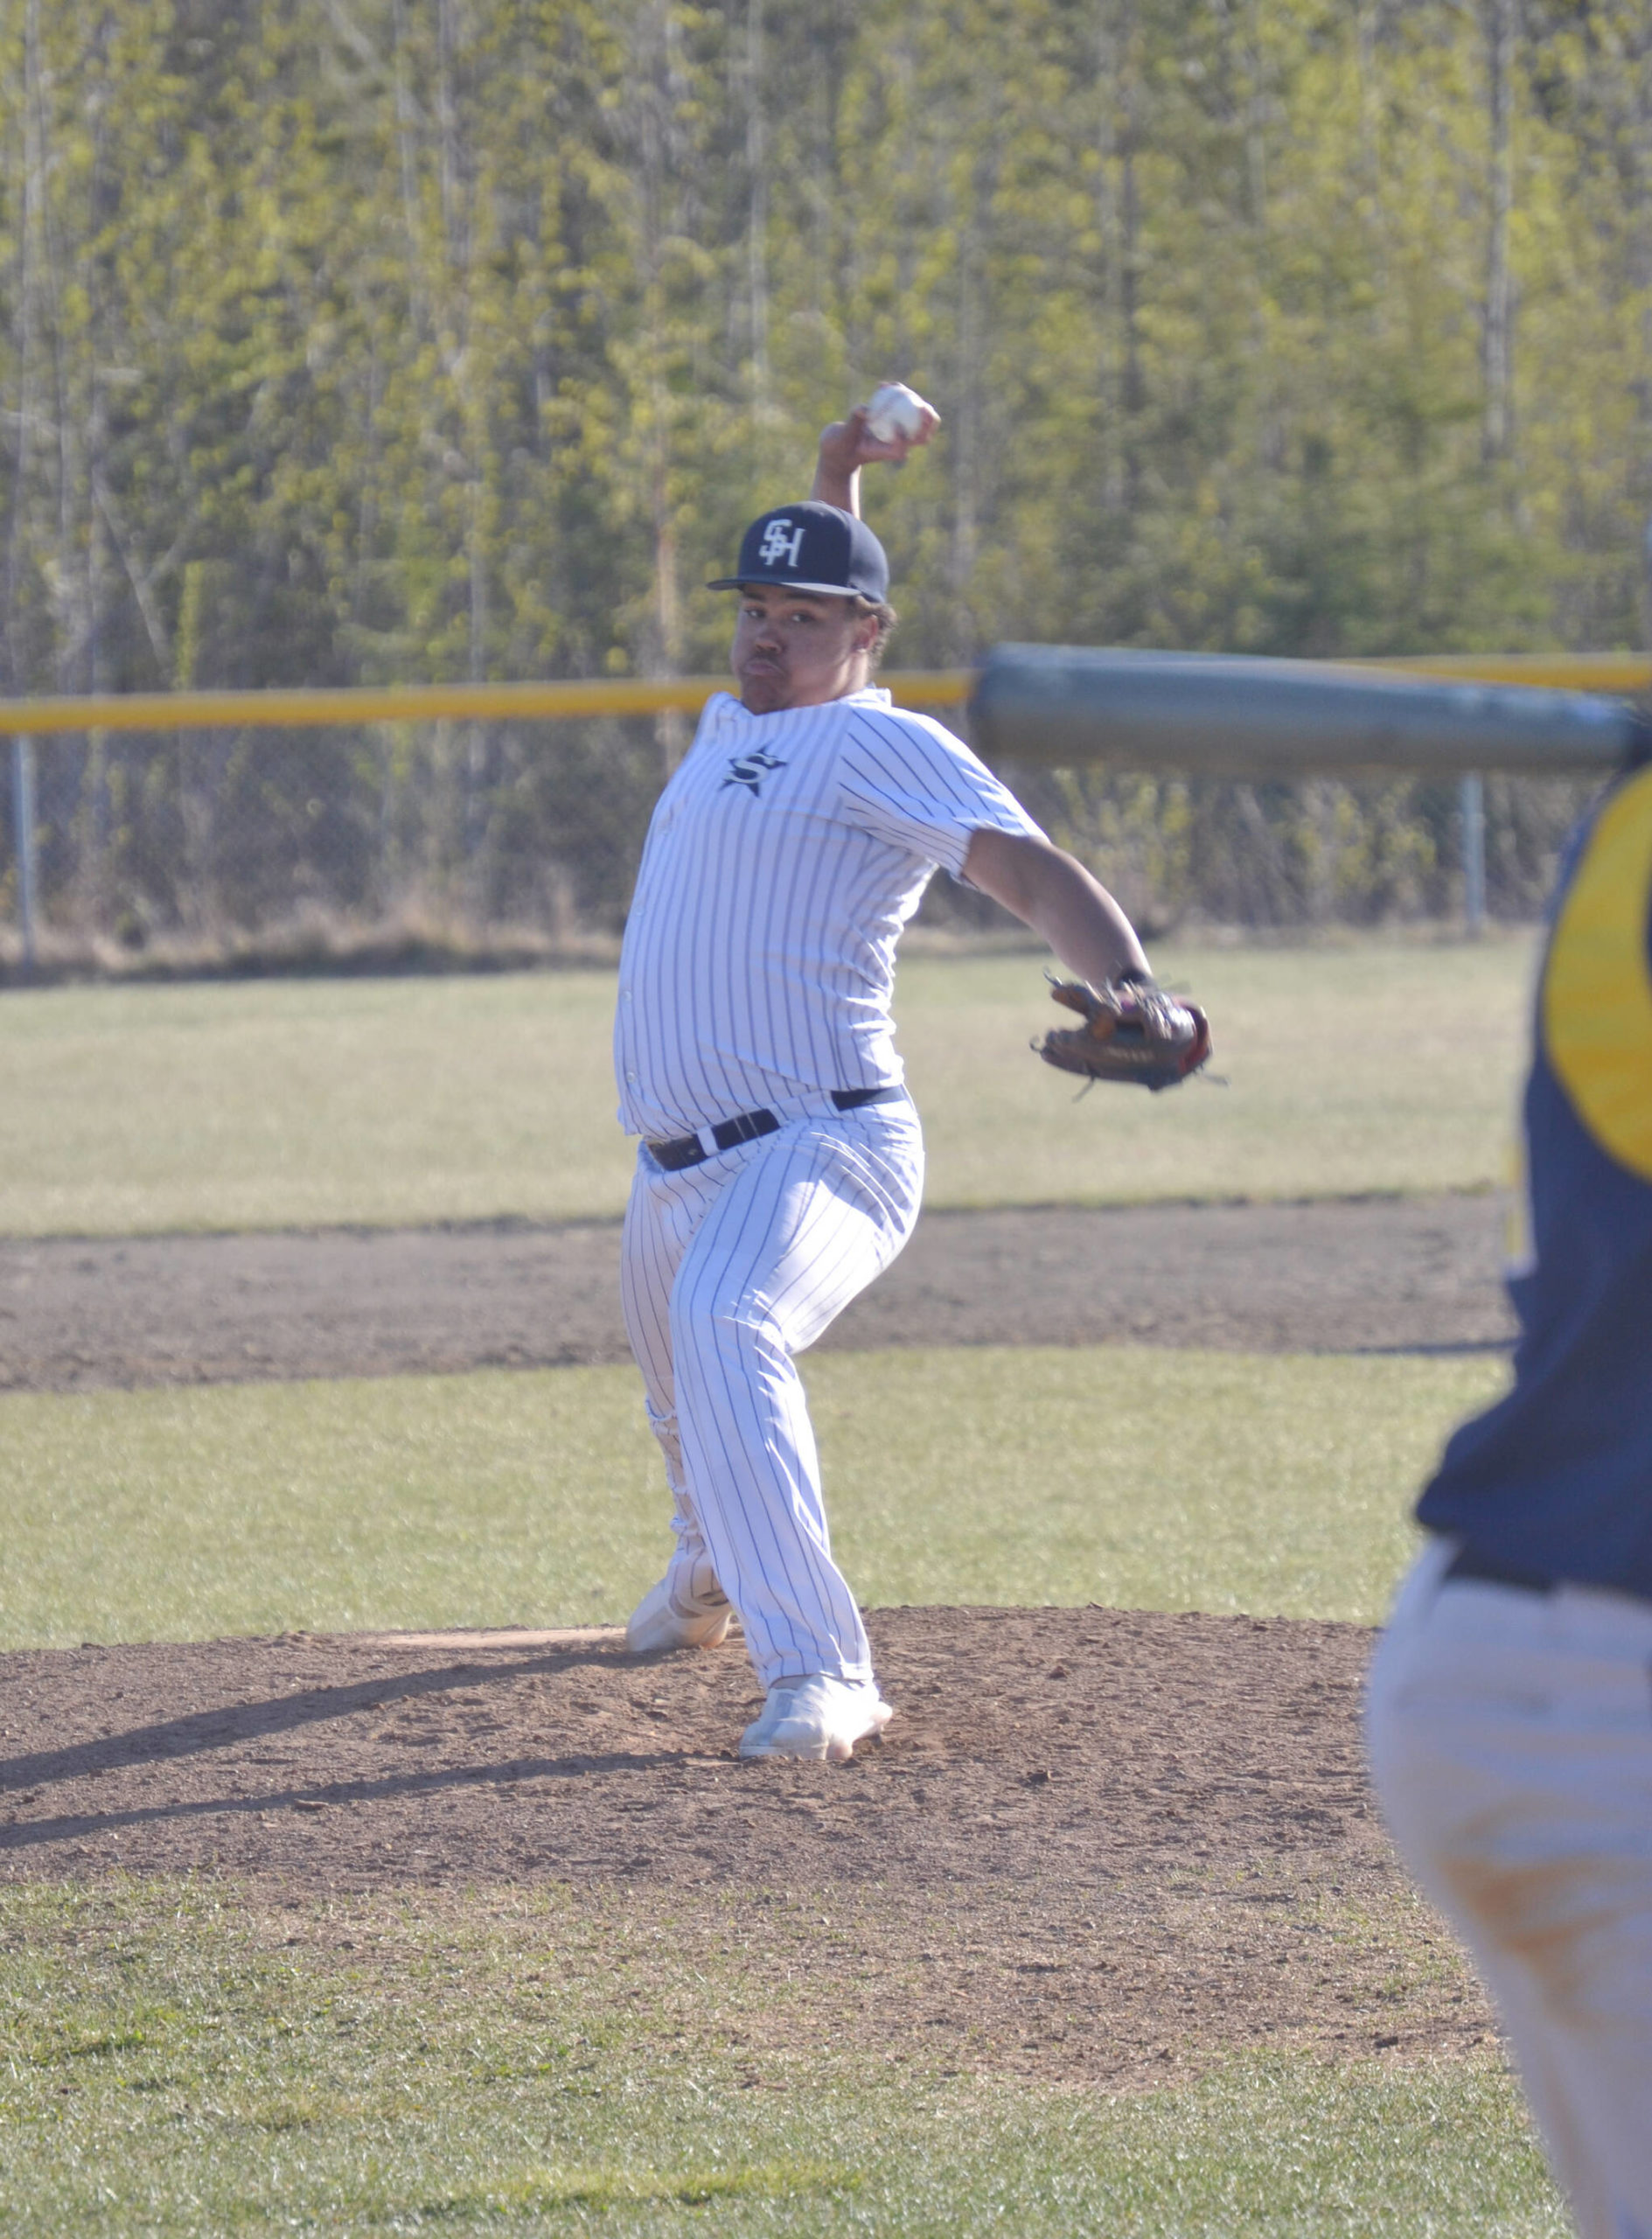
(750,769)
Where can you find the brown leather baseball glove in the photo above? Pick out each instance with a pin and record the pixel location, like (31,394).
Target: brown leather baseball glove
(1132,1031)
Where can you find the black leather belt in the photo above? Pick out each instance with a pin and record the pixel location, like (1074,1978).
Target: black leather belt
(746,1127)
(1480,1570)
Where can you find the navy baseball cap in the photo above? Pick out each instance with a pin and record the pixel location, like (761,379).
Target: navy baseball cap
(811,547)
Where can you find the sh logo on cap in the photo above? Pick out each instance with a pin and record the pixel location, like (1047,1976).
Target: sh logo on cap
(780,545)
(811,547)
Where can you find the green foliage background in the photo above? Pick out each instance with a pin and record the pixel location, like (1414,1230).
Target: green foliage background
(367,340)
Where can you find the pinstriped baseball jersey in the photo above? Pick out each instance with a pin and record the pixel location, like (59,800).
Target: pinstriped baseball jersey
(783,858)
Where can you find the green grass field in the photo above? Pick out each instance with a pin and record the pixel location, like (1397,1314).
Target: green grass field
(182,2058)
(181,2062)
(1274,1485)
(1380,1065)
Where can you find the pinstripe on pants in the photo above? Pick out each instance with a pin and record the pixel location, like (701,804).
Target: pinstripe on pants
(728,1270)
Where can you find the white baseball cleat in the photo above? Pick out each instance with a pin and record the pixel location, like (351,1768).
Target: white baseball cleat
(817,1716)
(661,1621)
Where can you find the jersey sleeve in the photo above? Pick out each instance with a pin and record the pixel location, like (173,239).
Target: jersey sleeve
(907,780)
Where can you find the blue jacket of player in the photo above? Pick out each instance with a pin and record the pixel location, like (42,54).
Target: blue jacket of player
(1556,1479)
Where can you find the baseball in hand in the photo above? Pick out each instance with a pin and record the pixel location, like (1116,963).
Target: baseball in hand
(894,410)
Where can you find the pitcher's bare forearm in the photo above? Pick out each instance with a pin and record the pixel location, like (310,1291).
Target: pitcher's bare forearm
(1053,893)
(837,467)
(847,445)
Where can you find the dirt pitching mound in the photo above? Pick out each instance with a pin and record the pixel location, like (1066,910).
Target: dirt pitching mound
(1091,1842)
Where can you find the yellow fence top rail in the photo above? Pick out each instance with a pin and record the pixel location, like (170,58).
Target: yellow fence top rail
(1617,675)
(418,703)
(413,703)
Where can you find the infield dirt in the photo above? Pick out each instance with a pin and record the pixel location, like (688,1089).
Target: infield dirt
(1352,1274)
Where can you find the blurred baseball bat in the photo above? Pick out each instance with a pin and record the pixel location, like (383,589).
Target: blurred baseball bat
(1235,716)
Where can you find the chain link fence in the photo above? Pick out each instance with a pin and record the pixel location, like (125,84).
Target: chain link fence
(205,846)
(255,848)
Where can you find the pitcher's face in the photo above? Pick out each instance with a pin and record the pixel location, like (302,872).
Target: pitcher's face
(798,649)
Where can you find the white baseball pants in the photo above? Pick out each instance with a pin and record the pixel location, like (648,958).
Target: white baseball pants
(728,1270)
(1510,1737)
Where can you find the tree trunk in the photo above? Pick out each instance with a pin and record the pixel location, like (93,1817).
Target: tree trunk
(657,89)
(756,212)
(1496,336)
(1131,388)
(407,165)
(27,291)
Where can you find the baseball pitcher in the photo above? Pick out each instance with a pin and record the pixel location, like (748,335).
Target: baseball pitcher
(781,1161)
